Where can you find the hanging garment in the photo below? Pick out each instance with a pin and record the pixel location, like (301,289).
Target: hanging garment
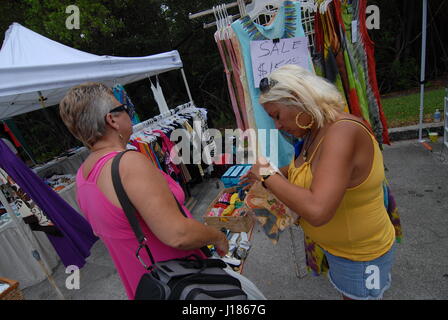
(167,146)
(287,24)
(31,214)
(159,97)
(369,48)
(209,141)
(236,77)
(361,62)
(329,49)
(248,108)
(121,95)
(356,69)
(225,57)
(352,94)
(74,247)
(191,131)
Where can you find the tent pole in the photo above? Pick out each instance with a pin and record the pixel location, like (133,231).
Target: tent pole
(34,251)
(423,67)
(186,84)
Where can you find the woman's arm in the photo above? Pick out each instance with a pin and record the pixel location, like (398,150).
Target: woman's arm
(284,171)
(330,179)
(149,193)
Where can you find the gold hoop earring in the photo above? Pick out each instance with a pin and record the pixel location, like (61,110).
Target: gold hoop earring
(304,127)
(121,136)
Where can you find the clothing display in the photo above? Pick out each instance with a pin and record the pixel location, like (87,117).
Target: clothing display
(348,62)
(229,204)
(74,246)
(152,138)
(342,55)
(20,202)
(59,182)
(287,24)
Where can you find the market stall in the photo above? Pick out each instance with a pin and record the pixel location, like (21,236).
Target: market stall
(43,70)
(328,38)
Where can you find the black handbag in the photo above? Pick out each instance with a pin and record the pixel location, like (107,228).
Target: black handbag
(189,278)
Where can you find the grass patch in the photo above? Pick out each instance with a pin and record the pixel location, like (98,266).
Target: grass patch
(405,110)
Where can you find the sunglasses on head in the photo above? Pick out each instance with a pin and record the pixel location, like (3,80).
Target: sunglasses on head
(123,107)
(266,84)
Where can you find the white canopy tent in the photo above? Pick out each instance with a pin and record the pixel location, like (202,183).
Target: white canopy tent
(34,69)
(32,66)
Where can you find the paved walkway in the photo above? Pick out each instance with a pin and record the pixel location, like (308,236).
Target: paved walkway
(419,180)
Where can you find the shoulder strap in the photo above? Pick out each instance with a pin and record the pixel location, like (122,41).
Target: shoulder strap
(129,209)
(345,119)
(361,123)
(315,150)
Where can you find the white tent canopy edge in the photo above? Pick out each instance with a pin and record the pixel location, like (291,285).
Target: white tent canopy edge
(30,63)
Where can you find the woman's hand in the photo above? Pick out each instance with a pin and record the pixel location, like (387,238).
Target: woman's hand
(222,245)
(255,173)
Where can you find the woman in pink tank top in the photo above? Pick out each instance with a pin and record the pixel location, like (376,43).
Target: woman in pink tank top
(94,116)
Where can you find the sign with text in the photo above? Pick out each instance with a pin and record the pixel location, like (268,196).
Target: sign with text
(268,55)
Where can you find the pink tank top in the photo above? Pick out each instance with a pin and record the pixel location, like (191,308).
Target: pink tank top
(110,224)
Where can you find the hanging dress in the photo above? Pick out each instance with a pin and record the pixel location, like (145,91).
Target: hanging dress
(287,24)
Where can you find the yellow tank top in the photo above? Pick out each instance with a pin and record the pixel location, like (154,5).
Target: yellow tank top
(361,229)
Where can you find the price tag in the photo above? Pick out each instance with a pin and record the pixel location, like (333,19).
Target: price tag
(354,31)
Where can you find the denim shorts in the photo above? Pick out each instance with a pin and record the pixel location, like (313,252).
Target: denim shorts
(361,280)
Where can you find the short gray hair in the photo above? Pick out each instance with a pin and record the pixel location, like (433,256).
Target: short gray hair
(83,110)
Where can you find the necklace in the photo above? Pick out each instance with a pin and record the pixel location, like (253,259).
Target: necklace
(309,142)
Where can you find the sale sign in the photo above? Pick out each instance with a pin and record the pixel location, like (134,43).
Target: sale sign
(269,55)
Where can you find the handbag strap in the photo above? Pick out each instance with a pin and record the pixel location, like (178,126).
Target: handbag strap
(131,212)
(128,208)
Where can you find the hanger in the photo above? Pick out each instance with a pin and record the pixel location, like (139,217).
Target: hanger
(242,8)
(222,21)
(259,7)
(308,5)
(215,14)
(324,5)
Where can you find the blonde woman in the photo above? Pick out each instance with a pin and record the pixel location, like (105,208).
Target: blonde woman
(335,184)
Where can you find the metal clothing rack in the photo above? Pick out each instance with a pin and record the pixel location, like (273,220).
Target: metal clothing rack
(145,124)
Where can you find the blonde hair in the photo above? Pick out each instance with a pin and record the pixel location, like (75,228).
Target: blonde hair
(295,86)
(83,110)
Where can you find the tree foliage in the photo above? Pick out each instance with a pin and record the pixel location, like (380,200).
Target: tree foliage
(144,27)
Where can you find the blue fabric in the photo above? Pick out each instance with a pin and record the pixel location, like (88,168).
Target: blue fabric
(74,247)
(121,95)
(298,147)
(351,277)
(282,27)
